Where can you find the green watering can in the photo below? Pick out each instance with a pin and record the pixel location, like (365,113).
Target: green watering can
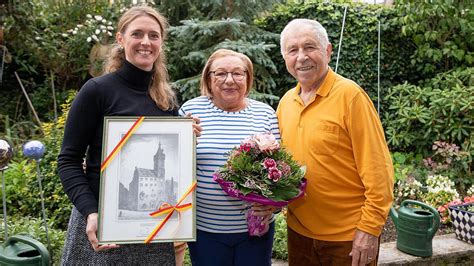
(23,250)
(415,227)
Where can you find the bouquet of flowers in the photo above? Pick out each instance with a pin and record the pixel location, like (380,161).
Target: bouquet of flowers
(260,171)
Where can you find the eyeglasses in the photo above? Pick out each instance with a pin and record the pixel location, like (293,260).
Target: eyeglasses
(221,75)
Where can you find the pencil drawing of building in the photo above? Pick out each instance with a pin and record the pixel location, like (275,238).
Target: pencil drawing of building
(148,188)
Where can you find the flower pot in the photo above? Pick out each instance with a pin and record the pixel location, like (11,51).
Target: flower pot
(463,222)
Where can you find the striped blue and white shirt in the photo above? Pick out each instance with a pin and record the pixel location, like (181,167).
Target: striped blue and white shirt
(222,131)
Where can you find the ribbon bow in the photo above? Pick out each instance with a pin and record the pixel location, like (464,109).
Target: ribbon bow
(169,209)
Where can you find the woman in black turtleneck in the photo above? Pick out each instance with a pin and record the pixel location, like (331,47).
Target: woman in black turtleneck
(136,85)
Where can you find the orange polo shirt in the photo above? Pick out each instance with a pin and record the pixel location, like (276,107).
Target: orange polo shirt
(339,137)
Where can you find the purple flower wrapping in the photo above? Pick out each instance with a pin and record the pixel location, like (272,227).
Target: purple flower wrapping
(228,188)
(260,171)
(254,223)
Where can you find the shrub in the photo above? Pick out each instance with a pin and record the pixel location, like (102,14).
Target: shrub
(409,188)
(449,160)
(21,179)
(280,240)
(440,109)
(441,32)
(34,228)
(408,176)
(406,165)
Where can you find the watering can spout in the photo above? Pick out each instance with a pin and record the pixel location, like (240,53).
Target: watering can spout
(394,215)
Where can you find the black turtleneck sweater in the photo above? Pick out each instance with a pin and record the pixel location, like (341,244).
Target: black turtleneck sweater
(121,93)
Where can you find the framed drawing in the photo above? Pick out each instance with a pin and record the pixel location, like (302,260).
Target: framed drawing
(148,165)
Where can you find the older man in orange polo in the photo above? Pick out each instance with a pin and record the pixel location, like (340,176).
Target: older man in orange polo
(330,125)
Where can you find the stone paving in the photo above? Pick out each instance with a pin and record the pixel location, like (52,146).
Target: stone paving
(447,250)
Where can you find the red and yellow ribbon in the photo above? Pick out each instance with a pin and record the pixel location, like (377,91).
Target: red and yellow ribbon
(169,209)
(117,148)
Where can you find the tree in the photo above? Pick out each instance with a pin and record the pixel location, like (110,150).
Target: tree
(194,41)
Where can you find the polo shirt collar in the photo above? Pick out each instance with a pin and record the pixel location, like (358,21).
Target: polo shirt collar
(325,87)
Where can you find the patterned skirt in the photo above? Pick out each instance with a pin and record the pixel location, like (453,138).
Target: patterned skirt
(78,250)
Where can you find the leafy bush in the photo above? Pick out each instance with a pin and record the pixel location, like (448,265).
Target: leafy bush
(441,31)
(51,52)
(449,160)
(440,109)
(409,188)
(22,192)
(406,165)
(34,228)
(280,240)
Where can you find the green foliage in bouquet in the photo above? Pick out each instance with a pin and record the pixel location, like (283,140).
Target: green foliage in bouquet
(261,166)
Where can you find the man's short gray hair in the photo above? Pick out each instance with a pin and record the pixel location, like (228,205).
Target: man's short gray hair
(299,23)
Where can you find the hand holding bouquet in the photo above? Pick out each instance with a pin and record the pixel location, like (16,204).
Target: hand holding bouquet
(260,171)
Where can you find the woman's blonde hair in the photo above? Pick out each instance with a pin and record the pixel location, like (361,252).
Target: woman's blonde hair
(205,76)
(160,90)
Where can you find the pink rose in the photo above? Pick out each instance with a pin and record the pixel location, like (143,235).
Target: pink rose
(267,142)
(250,140)
(274,174)
(269,163)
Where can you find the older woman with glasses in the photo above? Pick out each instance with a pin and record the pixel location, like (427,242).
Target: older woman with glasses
(227,117)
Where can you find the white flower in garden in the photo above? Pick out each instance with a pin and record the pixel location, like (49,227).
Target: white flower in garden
(109,23)
(80,25)
(98,18)
(104,21)
(64,35)
(97,31)
(37,38)
(89,39)
(74,32)
(95,38)
(102,27)
(110,28)
(470,191)
(109,33)
(104,31)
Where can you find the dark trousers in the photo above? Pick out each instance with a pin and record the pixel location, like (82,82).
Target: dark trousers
(237,249)
(304,251)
